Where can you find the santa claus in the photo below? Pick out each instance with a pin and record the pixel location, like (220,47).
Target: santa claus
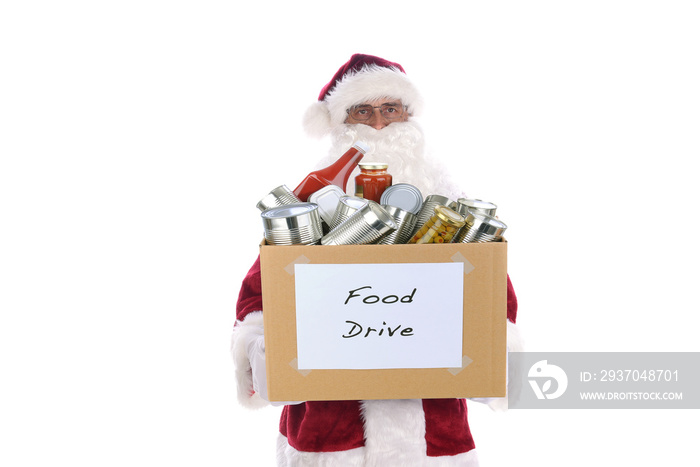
(370,100)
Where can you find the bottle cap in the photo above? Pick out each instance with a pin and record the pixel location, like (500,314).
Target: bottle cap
(373,165)
(362,146)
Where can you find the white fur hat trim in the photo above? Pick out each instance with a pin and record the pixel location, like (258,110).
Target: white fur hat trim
(370,83)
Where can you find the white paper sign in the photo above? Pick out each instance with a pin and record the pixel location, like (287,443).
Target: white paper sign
(376,316)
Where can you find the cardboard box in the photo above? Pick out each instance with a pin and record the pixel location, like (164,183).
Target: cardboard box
(482,369)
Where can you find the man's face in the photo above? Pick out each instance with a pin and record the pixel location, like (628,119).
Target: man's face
(378,113)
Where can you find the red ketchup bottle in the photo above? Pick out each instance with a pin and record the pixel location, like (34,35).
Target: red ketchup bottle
(337,173)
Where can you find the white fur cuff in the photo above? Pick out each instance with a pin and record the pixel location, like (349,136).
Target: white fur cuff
(244,332)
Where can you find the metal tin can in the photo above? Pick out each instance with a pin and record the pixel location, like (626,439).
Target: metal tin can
(347,206)
(480,228)
(440,228)
(466,205)
(279,196)
(403,196)
(405,221)
(365,226)
(293,224)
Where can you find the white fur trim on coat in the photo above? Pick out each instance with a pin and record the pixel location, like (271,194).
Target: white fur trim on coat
(394,436)
(394,430)
(287,456)
(243,332)
(370,83)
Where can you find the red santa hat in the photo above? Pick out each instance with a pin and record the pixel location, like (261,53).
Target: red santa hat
(361,79)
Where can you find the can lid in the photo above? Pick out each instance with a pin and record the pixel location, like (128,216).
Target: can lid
(476,203)
(404,196)
(327,200)
(373,165)
(289,210)
(353,201)
(449,216)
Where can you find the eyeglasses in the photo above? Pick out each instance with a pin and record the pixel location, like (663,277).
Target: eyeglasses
(391,111)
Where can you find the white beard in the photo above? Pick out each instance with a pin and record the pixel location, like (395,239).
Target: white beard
(402,146)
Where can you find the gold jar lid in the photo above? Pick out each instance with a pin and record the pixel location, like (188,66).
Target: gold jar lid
(373,165)
(449,216)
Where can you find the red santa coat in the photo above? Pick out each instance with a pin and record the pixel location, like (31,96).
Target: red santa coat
(357,432)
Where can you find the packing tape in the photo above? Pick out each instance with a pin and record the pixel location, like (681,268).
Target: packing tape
(300,260)
(294,364)
(460,258)
(465,363)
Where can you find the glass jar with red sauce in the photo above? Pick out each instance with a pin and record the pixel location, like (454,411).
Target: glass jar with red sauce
(372,180)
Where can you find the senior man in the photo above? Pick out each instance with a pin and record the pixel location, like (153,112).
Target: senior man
(371,100)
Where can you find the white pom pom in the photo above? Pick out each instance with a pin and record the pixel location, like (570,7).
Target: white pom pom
(317,120)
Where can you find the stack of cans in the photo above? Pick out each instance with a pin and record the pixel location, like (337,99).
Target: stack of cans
(481,223)
(333,218)
(348,220)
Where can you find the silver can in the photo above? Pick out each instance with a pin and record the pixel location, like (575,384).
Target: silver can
(467,205)
(365,226)
(347,206)
(280,196)
(480,228)
(403,196)
(405,221)
(292,224)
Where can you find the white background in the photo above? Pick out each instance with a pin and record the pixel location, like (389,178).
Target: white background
(137,136)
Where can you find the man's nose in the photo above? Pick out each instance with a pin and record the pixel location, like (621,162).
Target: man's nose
(377,121)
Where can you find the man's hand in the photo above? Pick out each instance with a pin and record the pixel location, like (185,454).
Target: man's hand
(256,354)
